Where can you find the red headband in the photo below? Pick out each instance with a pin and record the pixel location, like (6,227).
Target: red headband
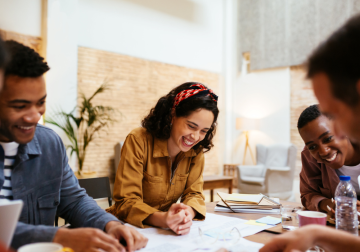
(195,89)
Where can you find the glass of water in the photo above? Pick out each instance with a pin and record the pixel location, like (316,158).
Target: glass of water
(289,218)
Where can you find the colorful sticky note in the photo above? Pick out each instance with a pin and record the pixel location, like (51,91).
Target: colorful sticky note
(253,222)
(269,220)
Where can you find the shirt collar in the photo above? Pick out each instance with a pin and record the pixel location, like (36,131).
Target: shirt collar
(31,148)
(160,149)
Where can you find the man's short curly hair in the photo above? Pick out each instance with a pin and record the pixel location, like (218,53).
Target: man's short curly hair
(158,121)
(3,54)
(338,57)
(309,114)
(24,61)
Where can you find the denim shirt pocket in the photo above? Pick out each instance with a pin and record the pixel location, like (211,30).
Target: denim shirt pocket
(47,207)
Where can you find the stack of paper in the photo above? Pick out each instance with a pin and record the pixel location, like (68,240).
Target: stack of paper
(247,203)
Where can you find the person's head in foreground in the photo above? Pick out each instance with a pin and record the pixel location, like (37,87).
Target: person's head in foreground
(22,100)
(3,60)
(186,117)
(316,130)
(334,72)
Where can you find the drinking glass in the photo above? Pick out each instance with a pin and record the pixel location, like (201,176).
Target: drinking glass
(289,218)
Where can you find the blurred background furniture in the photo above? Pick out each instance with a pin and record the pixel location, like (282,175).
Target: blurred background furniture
(215,181)
(97,188)
(247,124)
(274,173)
(231,170)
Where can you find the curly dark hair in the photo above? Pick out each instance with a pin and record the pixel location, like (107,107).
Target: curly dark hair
(24,61)
(309,114)
(338,57)
(158,121)
(3,54)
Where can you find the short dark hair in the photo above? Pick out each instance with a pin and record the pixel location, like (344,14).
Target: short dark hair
(338,57)
(24,61)
(3,54)
(158,121)
(309,114)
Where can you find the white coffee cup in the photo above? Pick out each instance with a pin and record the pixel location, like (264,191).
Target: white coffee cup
(42,247)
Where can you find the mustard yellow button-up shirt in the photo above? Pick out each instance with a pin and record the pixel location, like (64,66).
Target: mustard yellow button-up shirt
(145,182)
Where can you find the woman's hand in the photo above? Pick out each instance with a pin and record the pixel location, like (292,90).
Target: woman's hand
(328,206)
(179,218)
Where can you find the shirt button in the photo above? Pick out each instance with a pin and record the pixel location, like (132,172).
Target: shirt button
(173,184)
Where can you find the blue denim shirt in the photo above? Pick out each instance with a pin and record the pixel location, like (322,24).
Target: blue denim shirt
(44,181)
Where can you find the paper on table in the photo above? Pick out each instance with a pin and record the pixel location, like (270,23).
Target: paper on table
(260,211)
(159,239)
(253,222)
(269,220)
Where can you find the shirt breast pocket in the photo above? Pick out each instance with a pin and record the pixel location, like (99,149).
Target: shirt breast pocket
(47,207)
(152,189)
(180,185)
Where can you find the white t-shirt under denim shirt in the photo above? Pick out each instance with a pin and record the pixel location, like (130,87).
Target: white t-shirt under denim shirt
(10,150)
(353,172)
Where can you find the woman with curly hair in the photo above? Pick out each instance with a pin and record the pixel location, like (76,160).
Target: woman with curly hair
(163,161)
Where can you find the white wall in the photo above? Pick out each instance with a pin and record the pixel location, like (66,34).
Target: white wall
(62,55)
(61,80)
(182,32)
(263,95)
(21,16)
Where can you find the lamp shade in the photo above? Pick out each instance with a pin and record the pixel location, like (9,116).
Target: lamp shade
(244,123)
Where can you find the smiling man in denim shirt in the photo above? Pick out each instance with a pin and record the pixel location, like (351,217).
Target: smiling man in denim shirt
(39,173)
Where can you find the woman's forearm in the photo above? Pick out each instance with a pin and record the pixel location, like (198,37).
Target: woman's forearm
(157,219)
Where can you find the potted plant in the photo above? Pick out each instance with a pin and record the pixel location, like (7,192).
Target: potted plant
(83,129)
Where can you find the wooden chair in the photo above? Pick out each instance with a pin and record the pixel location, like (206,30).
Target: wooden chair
(231,170)
(96,188)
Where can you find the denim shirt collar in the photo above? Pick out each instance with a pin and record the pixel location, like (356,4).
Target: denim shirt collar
(30,149)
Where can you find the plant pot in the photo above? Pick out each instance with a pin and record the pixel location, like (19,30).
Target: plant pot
(86,174)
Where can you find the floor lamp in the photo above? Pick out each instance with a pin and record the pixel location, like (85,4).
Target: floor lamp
(247,124)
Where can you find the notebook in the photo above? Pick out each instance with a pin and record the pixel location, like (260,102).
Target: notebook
(246,201)
(9,216)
